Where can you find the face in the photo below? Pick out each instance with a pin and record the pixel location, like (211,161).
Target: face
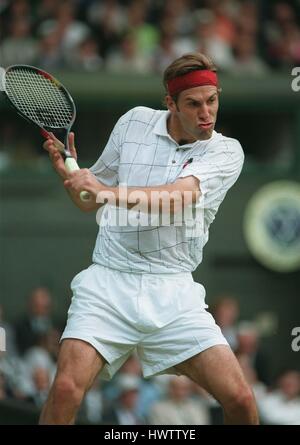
(195,112)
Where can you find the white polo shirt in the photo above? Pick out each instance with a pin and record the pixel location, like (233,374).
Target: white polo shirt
(141,153)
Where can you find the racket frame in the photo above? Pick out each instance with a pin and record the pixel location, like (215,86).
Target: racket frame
(62,132)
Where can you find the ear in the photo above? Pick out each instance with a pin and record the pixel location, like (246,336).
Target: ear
(171,105)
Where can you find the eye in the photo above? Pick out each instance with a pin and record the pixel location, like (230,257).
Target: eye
(212,99)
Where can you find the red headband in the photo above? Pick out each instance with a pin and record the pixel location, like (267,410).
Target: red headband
(191,80)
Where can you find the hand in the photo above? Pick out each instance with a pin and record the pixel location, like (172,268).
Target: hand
(83,179)
(54,148)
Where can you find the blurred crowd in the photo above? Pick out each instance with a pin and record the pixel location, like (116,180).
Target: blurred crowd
(28,366)
(144,36)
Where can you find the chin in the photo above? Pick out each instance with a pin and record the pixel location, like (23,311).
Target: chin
(206,134)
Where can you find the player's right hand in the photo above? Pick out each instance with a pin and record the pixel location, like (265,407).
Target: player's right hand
(54,147)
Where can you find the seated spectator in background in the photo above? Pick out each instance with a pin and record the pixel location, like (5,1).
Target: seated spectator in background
(92,407)
(70,31)
(44,353)
(181,12)
(207,41)
(149,391)
(15,374)
(126,58)
(282,33)
(226,311)
(246,60)
(123,411)
(282,406)
(108,20)
(145,34)
(19,46)
(37,321)
(178,408)
(170,44)
(40,386)
(50,55)
(85,57)
(249,346)
(213,407)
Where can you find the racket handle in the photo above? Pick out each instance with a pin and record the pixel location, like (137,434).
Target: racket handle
(71,166)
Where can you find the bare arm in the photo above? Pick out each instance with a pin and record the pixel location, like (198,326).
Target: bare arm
(166,197)
(52,146)
(163,198)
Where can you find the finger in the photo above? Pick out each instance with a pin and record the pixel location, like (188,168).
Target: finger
(67,183)
(76,174)
(50,146)
(72,145)
(56,156)
(53,151)
(56,142)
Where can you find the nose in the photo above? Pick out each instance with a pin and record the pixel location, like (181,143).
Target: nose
(204,112)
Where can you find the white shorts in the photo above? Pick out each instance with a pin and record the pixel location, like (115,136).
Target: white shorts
(163,316)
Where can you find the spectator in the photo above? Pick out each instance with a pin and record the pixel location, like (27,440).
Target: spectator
(249,346)
(178,408)
(40,386)
(71,32)
(108,20)
(93,404)
(41,355)
(86,56)
(149,392)
(19,46)
(50,54)
(127,59)
(208,42)
(124,411)
(226,312)
(247,62)
(282,406)
(37,321)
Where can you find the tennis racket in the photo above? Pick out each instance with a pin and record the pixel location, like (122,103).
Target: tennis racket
(42,100)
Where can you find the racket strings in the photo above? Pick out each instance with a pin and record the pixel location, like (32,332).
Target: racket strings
(39,98)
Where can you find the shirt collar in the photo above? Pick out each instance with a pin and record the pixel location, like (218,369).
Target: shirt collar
(160,127)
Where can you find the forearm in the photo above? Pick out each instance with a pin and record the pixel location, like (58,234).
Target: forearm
(167,197)
(84,206)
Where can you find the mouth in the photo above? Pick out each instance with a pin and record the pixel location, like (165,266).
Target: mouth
(206,126)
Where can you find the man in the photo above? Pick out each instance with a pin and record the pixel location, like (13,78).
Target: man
(139,292)
(38,320)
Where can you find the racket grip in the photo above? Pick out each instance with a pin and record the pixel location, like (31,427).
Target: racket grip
(71,166)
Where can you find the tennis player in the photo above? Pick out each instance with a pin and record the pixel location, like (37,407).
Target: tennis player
(139,291)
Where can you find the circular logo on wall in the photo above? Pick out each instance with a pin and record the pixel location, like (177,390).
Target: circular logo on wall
(272,226)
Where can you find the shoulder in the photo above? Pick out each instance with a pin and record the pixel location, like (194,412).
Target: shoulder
(142,115)
(228,145)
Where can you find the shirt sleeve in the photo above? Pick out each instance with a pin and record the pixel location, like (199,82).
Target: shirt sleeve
(217,170)
(106,168)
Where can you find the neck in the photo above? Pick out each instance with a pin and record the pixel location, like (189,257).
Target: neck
(176,131)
